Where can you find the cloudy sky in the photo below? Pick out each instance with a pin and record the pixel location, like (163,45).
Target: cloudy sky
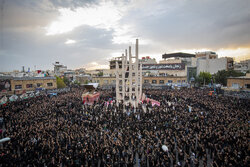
(88,33)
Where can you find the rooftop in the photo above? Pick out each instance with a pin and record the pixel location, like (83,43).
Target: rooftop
(179,54)
(26,78)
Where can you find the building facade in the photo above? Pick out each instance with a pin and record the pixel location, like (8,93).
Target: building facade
(242,66)
(59,69)
(209,62)
(104,80)
(19,85)
(242,83)
(163,80)
(157,80)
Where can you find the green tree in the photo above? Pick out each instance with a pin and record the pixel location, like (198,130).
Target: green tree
(60,83)
(204,78)
(221,76)
(86,82)
(66,81)
(76,82)
(100,74)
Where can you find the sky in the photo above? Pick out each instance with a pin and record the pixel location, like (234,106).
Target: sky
(88,33)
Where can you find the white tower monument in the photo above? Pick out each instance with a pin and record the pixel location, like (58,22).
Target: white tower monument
(129,78)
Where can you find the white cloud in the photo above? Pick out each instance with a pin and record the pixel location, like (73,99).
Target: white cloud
(95,65)
(70,41)
(103,15)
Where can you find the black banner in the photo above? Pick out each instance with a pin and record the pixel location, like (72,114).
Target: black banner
(175,66)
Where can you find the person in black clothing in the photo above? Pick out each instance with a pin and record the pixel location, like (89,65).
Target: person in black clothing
(59,131)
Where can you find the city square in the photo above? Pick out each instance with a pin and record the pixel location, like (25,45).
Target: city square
(130,83)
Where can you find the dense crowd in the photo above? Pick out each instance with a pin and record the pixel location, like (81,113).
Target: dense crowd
(60,131)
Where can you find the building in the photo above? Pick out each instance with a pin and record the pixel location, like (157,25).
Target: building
(19,85)
(59,69)
(147,60)
(80,71)
(170,69)
(163,80)
(83,79)
(242,83)
(207,55)
(94,73)
(209,62)
(242,66)
(104,80)
(155,80)
(112,63)
(70,75)
(177,55)
(184,59)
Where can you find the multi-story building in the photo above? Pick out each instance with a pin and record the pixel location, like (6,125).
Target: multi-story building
(147,60)
(83,79)
(209,62)
(59,69)
(242,66)
(154,80)
(70,75)
(19,85)
(239,82)
(163,80)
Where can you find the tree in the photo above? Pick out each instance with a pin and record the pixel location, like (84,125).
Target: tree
(60,83)
(86,82)
(204,78)
(100,74)
(66,81)
(77,82)
(221,76)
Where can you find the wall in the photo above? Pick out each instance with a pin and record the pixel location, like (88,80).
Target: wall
(111,80)
(166,79)
(240,81)
(170,61)
(211,65)
(34,83)
(104,80)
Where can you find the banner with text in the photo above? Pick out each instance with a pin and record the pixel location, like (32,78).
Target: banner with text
(175,66)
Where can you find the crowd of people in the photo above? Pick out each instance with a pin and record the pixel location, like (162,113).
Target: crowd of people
(61,131)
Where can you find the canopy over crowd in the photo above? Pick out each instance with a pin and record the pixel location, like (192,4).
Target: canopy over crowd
(61,131)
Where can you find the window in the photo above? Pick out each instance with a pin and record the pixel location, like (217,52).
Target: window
(183,80)
(29,86)
(18,86)
(247,86)
(162,74)
(50,84)
(113,81)
(39,85)
(161,81)
(154,82)
(170,81)
(146,81)
(106,81)
(235,85)
(98,81)
(179,81)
